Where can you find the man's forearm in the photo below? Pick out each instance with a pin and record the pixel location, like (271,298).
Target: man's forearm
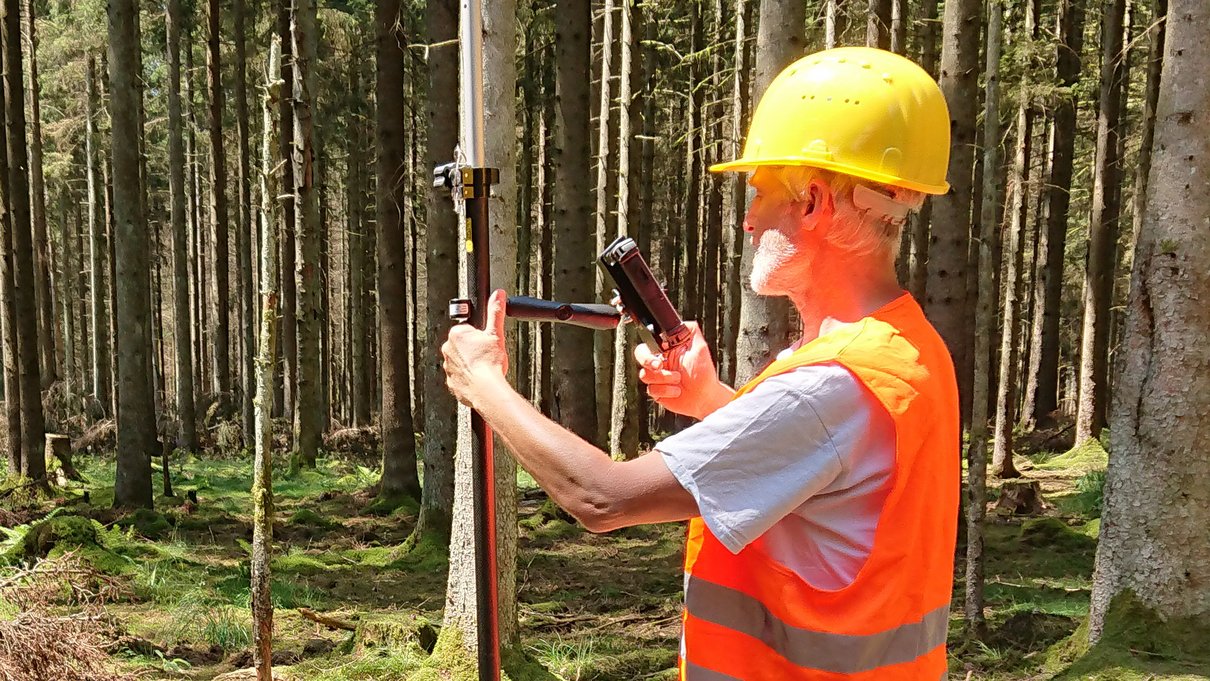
(571,470)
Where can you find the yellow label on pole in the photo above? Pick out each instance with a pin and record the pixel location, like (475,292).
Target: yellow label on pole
(470,245)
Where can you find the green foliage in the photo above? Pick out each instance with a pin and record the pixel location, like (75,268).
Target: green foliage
(227,628)
(1090,493)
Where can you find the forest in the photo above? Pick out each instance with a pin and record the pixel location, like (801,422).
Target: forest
(224,284)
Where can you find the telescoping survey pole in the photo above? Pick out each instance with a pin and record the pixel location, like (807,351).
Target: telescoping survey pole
(470,174)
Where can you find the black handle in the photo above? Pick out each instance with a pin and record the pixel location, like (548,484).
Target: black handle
(587,315)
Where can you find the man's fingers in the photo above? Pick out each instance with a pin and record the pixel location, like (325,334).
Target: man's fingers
(646,358)
(657,377)
(495,312)
(663,392)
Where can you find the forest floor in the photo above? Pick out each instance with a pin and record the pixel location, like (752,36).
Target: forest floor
(173,586)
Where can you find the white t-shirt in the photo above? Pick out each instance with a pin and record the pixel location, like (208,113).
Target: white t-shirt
(799,467)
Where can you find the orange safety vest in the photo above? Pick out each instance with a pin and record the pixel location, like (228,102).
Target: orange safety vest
(749,618)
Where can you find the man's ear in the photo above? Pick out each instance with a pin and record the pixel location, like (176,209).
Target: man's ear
(819,205)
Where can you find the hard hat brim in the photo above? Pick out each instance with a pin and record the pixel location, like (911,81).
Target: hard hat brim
(741,165)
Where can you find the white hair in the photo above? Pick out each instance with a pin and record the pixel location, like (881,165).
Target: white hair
(868,216)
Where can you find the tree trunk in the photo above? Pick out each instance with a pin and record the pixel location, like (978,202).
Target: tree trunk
(266,362)
(1155,60)
(399,477)
(736,205)
(308,414)
(221,330)
(97,248)
(878,24)
(835,23)
(918,239)
(602,347)
(136,420)
(244,227)
(1014,252)
(358,338)
(441,260)
(976,484)
(66,260)
(185,407)
(1042,389)
(8,307)
(37,182)
(289,287)
(1102,231)
(499,84)
(1157,494)
(764,326)
(624,427)
(33,462)
(572,347)
(946,299)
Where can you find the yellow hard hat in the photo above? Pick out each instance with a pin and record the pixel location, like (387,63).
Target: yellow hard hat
(855,110)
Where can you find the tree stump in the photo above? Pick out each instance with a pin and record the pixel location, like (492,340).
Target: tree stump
(58,447)
(1020,497)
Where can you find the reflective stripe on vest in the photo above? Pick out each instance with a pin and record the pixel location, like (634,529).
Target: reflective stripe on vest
(824,651)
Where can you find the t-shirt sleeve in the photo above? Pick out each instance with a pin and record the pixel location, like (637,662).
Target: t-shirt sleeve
(758,458)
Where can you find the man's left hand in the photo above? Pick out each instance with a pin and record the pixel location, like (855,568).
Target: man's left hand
(472,355)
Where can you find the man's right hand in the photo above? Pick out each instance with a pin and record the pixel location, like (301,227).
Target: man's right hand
(683,380)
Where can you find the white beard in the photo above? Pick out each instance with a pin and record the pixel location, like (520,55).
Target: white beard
(775,270)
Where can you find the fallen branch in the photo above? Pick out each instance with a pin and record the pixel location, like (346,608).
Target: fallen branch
(329,622)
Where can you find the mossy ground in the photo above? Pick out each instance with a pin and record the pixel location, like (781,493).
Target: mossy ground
(600,607)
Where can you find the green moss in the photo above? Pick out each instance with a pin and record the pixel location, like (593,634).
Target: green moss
(307,517)
(395,504)
(395,631)
(1087,456)
(426,553)
(1054,534)
(299,564)
(451,661)
(1092,528)
(1135,644)
(67,531)
(145,521)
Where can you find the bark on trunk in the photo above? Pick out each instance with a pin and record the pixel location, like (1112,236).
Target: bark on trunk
(985,306)
(399,477)
(947,296)
(33,463)
(221,329)
(1102,231)
(441,261)
(136,420)
(1019,218)
(244,226)
(185,407)
(37,182)
(289,287)
(308,414)
(602,347)
(764,326)
(572,347)
(1157,493)
(266,362)
(499,84)
(624,427)
(1042,389)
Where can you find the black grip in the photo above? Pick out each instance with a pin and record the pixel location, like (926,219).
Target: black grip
(587,315)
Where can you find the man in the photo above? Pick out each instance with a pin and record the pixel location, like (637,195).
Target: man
(822,496)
